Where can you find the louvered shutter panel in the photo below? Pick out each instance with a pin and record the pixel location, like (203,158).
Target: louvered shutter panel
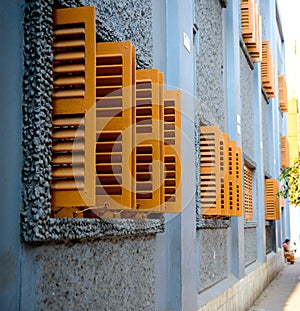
(232,177)
(73,116)
(115,94)
(210,171)
(238,211)
(224,175)
(251,28)
(267,70)
(283,98)
(172,151)
(285,152)
(272,200)
(248,193)
(148,150)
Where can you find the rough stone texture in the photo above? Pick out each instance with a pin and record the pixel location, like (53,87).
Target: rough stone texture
(209,63)
(247,119)
(250,245)
(268,239)
(213,256)
(37,88)
(120,21)
(265,128)
(107,274)
(209,68)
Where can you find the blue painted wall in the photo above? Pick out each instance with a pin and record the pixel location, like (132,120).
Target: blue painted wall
(11,36)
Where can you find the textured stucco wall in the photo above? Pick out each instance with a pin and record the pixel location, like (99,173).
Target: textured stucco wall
(247,119)
(265,129)
(209,74)
(250,245)
(213,256)
(107,274)
(268,239)
(37,107)
(210,62)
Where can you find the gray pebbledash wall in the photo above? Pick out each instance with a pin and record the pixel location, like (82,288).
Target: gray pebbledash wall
(213,256)
(246,81)
(250,245)
(110,274)
(121,267)
(210,63)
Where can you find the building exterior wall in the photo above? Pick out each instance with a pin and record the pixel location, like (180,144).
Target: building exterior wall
(175,263)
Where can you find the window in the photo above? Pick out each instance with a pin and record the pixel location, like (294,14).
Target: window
(252,29)
(268,70)
(272,200)
(220,174)
(285,152)
(116,132)
(248,173)
(283,97)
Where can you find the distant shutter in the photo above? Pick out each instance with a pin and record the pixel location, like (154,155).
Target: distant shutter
(73,116)
(210,171)
(252,28)
(283,98)
(248,193)
(268,70)
(172,151)
(272,200)
(148,150)
(238,183)
(285,152)
(115,82)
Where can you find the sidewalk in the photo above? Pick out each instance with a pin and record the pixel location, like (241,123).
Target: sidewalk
(283,293)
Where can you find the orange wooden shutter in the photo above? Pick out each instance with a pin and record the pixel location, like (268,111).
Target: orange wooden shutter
(73,116)
(148,150)
(272,200)
(238,211)
(172,151)
(267,70)
(224,162)
(248,193)
(232,177)
(210,171)
(283,98)
(285,152)
(115,94)
(251,28)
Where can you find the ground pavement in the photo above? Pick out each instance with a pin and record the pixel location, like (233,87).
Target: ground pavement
(283,293)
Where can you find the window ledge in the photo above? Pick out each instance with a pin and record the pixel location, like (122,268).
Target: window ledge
(213,223)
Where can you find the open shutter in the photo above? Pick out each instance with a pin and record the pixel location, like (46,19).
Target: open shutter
(73,116)
(283,98)
(239,183)
(267,70)
(272,200)
(285,152)
(172,151)
(210,171)
(115,81)
(224,157)
(248,193)
(232,177)
(251,28)
(148,151)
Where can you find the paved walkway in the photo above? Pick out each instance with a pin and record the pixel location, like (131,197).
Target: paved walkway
(283,293)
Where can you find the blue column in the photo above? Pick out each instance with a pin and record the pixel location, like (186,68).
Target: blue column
(237,257)
(258,156)
(179,240)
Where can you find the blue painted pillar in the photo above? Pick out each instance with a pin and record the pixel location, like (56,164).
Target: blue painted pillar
(259,171)
(232,20)
(178,243)
(11,64)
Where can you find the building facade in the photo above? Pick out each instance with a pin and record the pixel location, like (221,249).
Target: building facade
(225,58)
